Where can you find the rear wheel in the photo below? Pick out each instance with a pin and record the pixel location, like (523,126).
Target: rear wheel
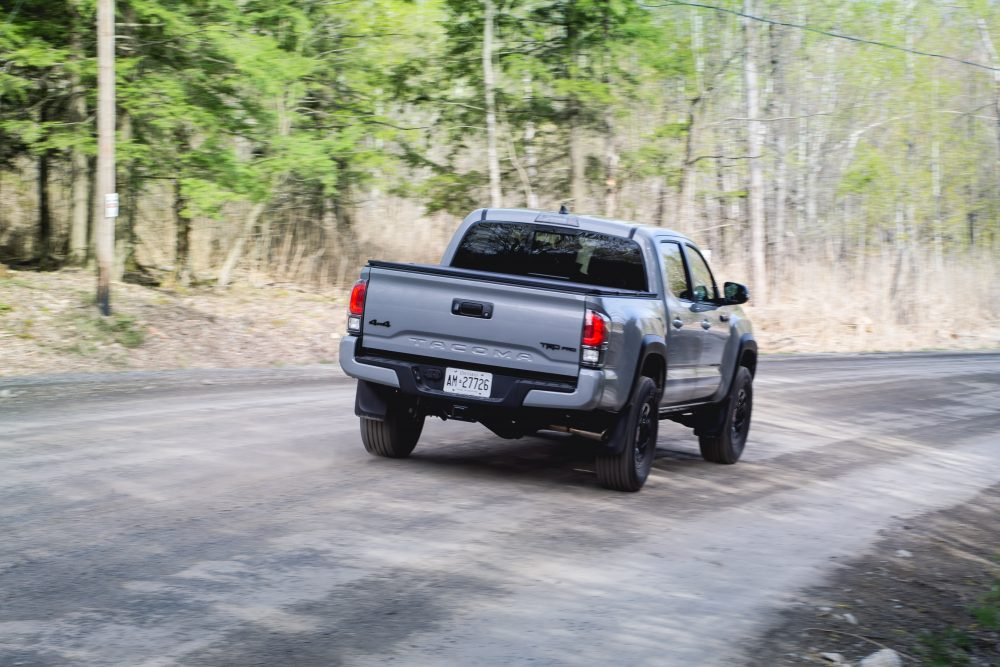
(634,433)
(397,435)
(725,441)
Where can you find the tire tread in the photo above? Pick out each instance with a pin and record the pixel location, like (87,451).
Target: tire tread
(617,471)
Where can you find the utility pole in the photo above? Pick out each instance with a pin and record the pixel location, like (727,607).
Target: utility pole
(106,194)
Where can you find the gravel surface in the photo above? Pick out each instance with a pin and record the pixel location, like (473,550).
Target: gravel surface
(233,518)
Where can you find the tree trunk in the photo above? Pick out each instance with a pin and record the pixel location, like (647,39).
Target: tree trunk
(80,197)
(685,199)
(755,144)
(182,253)
(125,239)
(611,160)
(43,250)
(577,159)
(530,153)
(489,84)
(984,35)
(780,198)
(611,152)
(93,210)
(236,252)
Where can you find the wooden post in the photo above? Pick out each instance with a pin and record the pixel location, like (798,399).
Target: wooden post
(106,197)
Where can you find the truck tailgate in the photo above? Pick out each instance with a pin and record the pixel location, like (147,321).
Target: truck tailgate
(473,321)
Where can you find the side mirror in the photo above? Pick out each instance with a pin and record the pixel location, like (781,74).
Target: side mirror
(736,294)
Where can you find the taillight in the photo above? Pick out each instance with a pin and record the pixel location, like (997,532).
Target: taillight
(595,338)
(356,307)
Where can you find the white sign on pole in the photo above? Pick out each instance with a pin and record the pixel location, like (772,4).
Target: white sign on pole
(111,205)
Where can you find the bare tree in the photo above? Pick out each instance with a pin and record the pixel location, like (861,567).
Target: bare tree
(489,92)
(755,132)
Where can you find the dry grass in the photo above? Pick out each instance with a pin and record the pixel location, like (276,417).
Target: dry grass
(48,322)
(838,308)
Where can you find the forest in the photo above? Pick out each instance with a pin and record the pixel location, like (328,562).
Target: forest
(826,152)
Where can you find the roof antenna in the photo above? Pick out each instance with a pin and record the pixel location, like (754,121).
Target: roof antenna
(563,210)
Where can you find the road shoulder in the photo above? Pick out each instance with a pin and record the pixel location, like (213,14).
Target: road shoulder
(914,592)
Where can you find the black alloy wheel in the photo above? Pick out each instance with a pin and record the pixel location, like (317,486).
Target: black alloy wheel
(633,437)
(726,438)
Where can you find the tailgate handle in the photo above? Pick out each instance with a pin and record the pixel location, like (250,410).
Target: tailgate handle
(472,308)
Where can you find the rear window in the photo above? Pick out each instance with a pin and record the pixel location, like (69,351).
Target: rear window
(551,252)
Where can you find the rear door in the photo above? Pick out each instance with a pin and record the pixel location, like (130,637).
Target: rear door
(473,322)
(683,337)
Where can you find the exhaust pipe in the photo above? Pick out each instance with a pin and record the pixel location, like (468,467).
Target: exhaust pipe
(590,435)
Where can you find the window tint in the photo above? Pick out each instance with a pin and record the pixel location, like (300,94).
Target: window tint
(702,283)
(674,275)
(551,252)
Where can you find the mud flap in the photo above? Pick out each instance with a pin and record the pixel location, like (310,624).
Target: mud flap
(370,400)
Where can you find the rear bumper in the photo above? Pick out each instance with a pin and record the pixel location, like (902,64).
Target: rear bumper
(510,391)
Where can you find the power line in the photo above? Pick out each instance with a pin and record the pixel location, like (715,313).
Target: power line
(827,33)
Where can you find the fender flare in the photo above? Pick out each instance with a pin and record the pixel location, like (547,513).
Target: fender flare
(732,361)
(709,422)
(652,346)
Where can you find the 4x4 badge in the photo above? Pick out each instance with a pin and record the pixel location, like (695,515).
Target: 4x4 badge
(376,323)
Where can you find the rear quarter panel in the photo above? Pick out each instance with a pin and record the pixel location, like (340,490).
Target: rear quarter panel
(632,319)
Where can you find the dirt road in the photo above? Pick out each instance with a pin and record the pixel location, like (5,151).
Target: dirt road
(233,518)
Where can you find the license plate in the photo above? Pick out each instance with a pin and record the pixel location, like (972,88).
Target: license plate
(468,383)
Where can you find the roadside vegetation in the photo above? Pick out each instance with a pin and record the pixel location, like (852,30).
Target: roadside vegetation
(975,642)
(264,142)
(929,590)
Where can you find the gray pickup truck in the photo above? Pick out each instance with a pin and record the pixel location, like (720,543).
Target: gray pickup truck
(551,321)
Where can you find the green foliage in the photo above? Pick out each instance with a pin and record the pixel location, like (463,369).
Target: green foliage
(868,169)
(314,107)
(948,648)
(987,612)
(452,192)
(956,645)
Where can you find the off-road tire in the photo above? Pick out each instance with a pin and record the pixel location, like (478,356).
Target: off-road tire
(635,432)
(725,440)
(395,437)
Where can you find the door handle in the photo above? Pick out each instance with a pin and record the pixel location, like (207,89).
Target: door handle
(678,323)
(723,317)
(472,308)
(706,325)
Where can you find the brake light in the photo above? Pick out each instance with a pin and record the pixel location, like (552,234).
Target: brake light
(595,330)
(358,297)
(594,340)
(356,306)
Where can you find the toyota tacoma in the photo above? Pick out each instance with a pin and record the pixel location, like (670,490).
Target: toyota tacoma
(552,321)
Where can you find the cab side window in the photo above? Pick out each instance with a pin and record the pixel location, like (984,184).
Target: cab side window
(702,282)
(674,273)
